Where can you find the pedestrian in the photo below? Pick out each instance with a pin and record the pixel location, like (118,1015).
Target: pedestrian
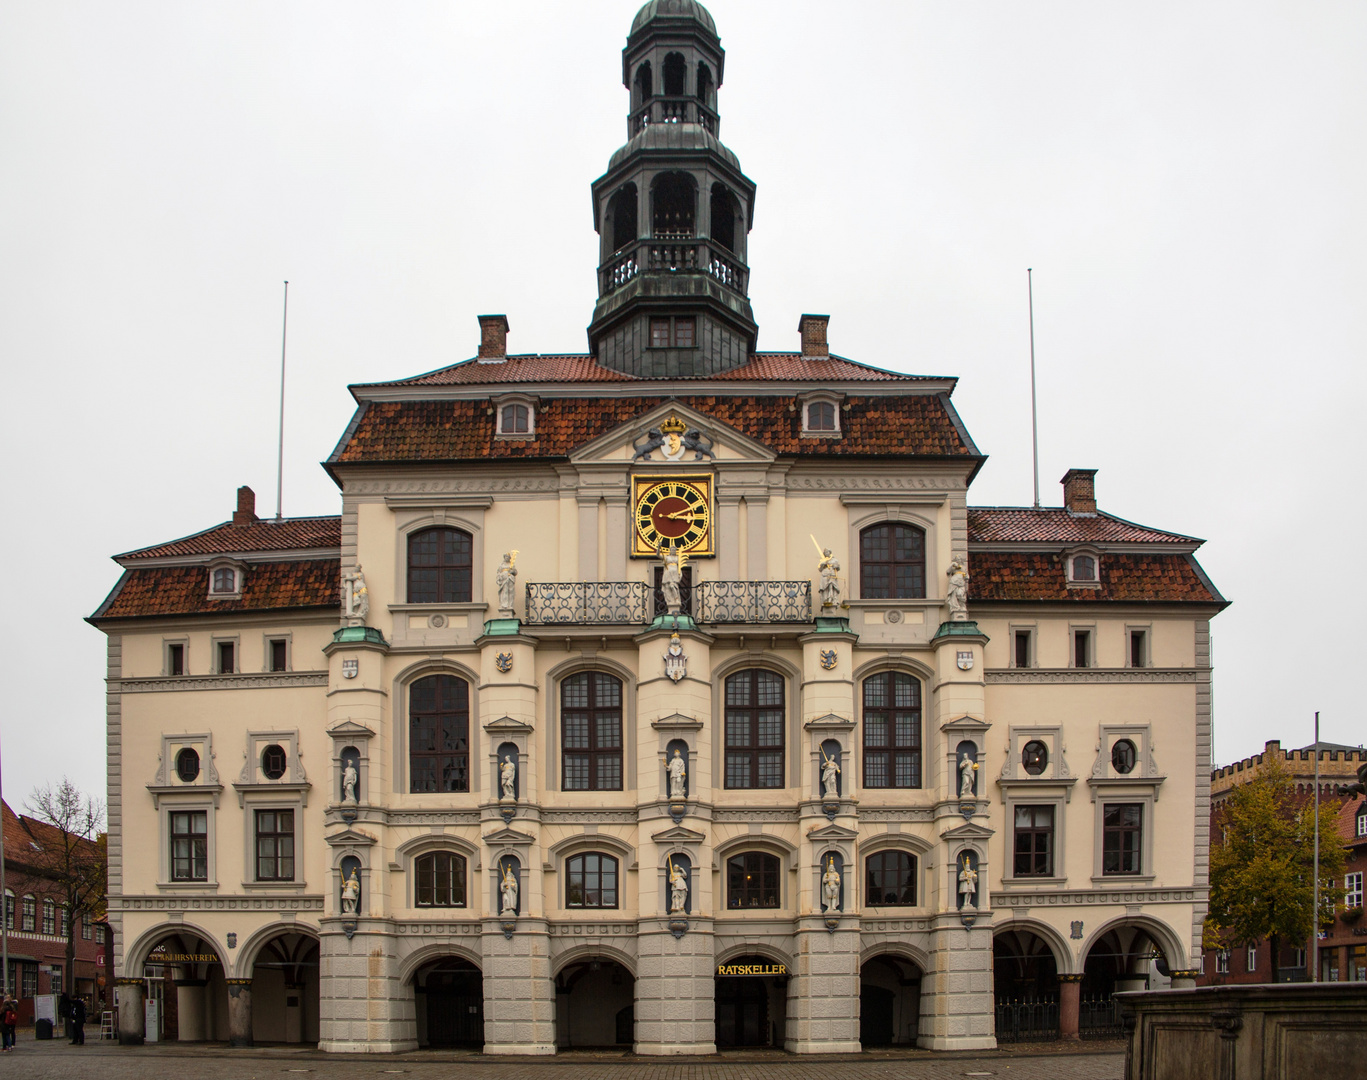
(78,1021)
(9,1020)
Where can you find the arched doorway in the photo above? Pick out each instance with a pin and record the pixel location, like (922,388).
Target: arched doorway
(595,1005)
(751,1008)
(1025,987)
(1124,957)
(183,982)
(284,976)
(889,1001)
(450,1003)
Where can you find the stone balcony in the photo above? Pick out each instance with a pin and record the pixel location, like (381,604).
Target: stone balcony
(635,603)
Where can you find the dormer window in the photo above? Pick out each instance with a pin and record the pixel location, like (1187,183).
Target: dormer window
(225,580)
(516,416)
(1084,569)
(821,416)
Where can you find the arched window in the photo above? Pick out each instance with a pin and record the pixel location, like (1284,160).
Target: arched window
(439,567)
(673,199)
(439,734)
(515,420)
(820,416)
(591,732)
(225,580)
(622,217)
(892,562)
(674,75)
(754,729)
(752,880)
(1084,568)
(28,914)
(440,880)
(49,917)
(892,730)
(723,218)
(9,910)
(705,84)
(642,89)
(591,881)
(890,879)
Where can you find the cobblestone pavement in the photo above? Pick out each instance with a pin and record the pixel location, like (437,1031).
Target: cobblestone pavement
(57,1060)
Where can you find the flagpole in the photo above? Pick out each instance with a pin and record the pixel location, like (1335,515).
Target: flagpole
(280,461)
(1034,412)
(1315,926)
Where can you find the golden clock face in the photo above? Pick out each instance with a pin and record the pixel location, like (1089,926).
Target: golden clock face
(674,514)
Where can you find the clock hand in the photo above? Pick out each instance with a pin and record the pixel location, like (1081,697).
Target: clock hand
(679,514)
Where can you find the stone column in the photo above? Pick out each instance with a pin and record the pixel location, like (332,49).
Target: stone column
(823,990)
(131,1017)
(519,993)
(239,1012)
(1069,995)
(675,1006)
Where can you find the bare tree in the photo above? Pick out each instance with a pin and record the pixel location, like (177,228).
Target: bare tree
(67,857)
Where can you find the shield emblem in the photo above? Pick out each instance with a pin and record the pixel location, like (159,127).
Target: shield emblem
(504,662)
(828,658)
(965,660)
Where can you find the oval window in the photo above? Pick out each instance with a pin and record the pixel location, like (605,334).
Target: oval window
(1034,757)
(187,765)
(1123,756)
(273,762)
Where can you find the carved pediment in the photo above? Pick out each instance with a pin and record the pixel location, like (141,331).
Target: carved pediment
(348,730)
(506,725)
(967,831)
(676,722)
(829,722)
(351,838)
(678,835)
(966,725)
(715,441)
(831,833)
(507,837)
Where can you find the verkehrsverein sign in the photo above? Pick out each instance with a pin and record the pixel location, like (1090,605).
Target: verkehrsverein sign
(725,970)
(182,958)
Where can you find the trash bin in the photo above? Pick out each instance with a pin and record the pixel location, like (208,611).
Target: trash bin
(42,1029)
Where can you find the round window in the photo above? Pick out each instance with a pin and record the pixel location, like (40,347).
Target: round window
(187,765)
(1034,757)
(273,762)
(1123,756)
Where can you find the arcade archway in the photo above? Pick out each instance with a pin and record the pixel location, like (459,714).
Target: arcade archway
(595,1004)
(751,1002)
(284,988)
(889,1001)
(449,994)
(183,981)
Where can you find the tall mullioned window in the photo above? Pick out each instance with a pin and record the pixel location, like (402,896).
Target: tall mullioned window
(275,845)
(892,731)
(754,729)
(591,881)
(1122,831)
(439,566)
(440,880)
(890,879)
(591,732)
(892,562)
(1034,841)
(189,845)
(439,734)
(752,880)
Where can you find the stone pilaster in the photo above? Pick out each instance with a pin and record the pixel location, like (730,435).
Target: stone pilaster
(239,1012)
(363,1007)
(519,993)
(823,988)
(675,1002)
(131,1015)
(1069,994)
(956,992)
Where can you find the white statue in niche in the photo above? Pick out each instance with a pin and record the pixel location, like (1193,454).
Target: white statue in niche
(350,778)
(968,884)
(508,892)
(355,596)
(830,771)
(678,888)
(830,886)
(671,578)
(505,580)
(678,771)
(957,596)
(828,568)
(351,893)
(967,767)
(507,777)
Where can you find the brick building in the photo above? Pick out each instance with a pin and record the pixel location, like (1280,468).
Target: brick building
(1344,948)
(36,922)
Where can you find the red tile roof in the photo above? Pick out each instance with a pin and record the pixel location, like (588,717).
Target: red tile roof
(1125,578)
(393,431)
(184,590)
(288,534)
(581,368)
(997,524)
(23,832)
(1347,820)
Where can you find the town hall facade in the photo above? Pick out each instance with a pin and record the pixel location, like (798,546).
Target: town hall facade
(670,695)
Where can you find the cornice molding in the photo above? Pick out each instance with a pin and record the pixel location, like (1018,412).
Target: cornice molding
(218,902)
(1032,898)
(1040,676)
(162,683)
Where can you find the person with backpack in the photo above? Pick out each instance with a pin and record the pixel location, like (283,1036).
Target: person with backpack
(9,1020)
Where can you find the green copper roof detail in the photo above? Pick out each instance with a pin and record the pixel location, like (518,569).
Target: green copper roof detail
(359,633)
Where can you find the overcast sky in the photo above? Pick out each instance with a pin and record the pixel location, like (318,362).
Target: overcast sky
(1186,180)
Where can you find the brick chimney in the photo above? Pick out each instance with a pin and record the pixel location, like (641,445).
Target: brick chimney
(1079,492)
(813,331)
(493,337)
(245,514)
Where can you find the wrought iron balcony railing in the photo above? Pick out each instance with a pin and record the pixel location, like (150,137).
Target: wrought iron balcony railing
(584,603)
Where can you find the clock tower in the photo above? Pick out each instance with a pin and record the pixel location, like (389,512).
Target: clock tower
(673,211)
